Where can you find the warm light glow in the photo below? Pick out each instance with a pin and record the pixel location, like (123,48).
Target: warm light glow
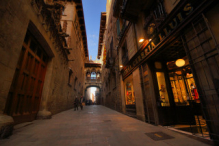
(141,40)
(121,66)
(180,62)
(150,40)
(93,89)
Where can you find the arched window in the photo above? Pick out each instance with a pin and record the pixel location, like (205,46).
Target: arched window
(88,75)
(93,75)
(98,75)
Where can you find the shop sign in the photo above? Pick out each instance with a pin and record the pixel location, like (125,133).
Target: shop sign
(159,37)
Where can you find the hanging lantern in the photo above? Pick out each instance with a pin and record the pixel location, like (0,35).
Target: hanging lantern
(180,62)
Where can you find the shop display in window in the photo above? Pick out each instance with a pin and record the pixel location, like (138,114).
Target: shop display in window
(183,85)
(178,89)
(164,98)
(192,88)
(130,99)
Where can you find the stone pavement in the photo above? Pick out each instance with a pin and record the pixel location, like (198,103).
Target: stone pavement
(94,126)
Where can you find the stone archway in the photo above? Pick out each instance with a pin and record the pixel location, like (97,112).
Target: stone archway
(97,94)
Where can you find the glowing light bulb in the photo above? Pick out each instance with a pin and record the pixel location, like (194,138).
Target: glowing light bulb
(180,62)
(141,40)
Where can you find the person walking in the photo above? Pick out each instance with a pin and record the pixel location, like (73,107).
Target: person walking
(81,101)
(76,102)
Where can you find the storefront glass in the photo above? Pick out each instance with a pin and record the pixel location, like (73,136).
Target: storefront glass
(129,91)
(164,98)
(178,88)
(130,98)
(183,85)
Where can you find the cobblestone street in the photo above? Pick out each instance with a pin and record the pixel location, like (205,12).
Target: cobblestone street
(94,126)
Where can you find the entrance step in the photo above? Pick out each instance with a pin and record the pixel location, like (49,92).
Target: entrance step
(18,126)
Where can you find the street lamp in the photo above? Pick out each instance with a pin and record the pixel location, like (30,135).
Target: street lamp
(141,40)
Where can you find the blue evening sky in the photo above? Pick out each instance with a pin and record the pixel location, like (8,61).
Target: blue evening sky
(92,12)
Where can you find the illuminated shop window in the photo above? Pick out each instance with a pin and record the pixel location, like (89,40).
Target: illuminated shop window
(164,98)
(129,94)
(183,84)
(178,88)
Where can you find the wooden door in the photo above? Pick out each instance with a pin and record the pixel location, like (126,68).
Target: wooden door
(25,92)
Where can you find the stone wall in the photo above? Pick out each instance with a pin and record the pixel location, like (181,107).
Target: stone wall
(110,76)
(57,95)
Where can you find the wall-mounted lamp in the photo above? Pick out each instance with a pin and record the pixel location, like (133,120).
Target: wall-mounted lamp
(141,40)
(121,66)
(150,40)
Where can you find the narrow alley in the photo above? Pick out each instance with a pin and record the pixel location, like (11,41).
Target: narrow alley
(94,126)
(146,72)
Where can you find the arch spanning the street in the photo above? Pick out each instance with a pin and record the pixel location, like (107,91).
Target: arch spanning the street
(95,98)
(93,78)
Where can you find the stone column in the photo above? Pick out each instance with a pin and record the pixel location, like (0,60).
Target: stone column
(122,94)
(43,112)
(7,65)
(6,76)
(6,125)
(138,95)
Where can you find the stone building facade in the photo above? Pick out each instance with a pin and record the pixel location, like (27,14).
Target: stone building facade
(106,51)
(168,51)
(43,50)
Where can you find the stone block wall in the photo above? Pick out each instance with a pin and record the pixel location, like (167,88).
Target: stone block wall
(57,95)
(110,76)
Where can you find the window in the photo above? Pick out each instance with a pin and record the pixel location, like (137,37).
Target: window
(75,83)
(70,77)
(118,26)
(98,75)
(124,54)
(93,75)
(164,98)
(129,93)
(114,80)
(111,48)
(88,75)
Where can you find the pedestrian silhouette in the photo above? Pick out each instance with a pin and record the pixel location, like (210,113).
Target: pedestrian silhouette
(76,102)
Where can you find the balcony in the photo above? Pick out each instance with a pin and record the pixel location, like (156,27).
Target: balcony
(93,80)
(110,62)
(117,8)
(122,31)
(131,8)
